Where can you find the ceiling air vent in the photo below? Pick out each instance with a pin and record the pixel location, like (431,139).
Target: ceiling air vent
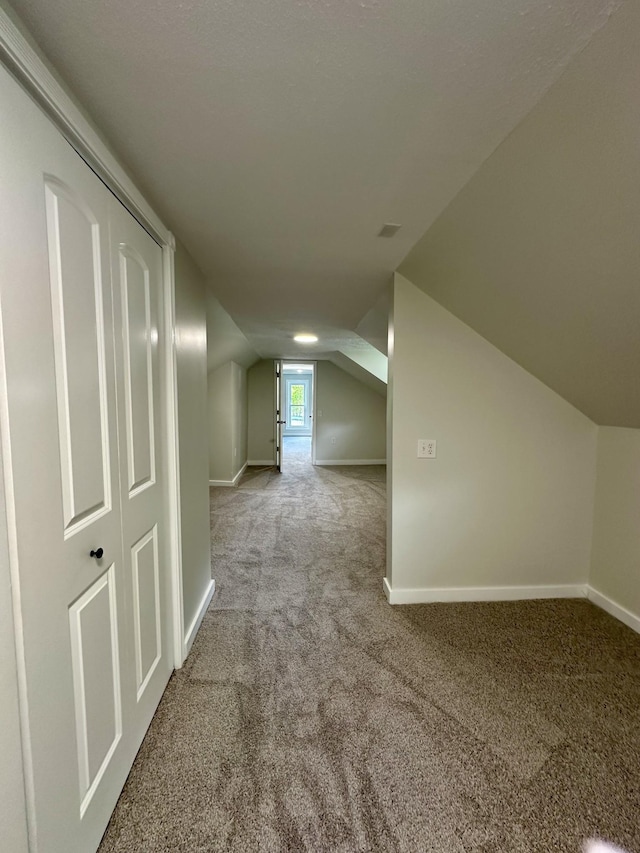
(389,229)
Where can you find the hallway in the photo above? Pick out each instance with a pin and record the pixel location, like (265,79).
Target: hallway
(311,716)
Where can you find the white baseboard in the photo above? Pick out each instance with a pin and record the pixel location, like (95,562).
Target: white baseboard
(230,483)
(511,593)
(350,461)
(481,593)
(197,619)
(236,479)
(630,619)
(262,463)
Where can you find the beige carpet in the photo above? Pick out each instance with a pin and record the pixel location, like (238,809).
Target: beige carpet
(311,716)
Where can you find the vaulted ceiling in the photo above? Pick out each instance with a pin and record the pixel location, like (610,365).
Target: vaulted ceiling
(275,138)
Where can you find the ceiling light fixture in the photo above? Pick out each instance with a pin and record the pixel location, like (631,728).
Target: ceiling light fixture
(305,339)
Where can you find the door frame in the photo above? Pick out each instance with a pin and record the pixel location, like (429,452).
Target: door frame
(36,78)
(306,380)
(314,382)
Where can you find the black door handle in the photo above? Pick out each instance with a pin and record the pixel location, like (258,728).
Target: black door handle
(97,553)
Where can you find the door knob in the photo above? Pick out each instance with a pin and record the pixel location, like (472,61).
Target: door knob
(97,553)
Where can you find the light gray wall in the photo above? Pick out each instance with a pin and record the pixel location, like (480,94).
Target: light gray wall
(260,380)
(350,413)
(227,421)
(539,251)
(360,373)
(13,817)
(191,354)
(239,409)
(220,423)
(229,356)
(374,325)
(615,557)
(509,499)
(226,341)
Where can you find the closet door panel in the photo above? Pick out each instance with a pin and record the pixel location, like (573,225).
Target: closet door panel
(145,567)
(74,246)
(140,345)
(136,262)
(92,645)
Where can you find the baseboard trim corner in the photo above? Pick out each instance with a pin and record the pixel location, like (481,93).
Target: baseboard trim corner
(400,595)
(386,586)
(614,609)
(236,479)
(230,483)
(351,462)
(197,619)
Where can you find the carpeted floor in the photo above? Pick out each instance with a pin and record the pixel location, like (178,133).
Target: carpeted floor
(311,716)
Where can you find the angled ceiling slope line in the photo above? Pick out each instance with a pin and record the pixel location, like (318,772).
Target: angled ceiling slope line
(286,134)
(539,252)
(357,371)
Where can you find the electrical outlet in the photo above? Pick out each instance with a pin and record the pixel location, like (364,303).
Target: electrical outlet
(426,448)
(333,439)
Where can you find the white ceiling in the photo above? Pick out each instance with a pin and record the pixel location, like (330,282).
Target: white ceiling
(275,138)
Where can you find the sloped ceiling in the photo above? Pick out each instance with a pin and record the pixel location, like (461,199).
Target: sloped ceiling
(275,138)
(225,341)
(540,252)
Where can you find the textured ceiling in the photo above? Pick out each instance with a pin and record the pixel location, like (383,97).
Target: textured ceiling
(540,252)
(275,138)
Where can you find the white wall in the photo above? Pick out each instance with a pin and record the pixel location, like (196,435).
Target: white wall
(350,419)
(509,499)
(261,390)
(226,341)
(227,422)
(538,252)
(240,418)
(615,557)
(13,817)
(191,352)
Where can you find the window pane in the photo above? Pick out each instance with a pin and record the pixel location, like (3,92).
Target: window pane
(296,417)
(297,395)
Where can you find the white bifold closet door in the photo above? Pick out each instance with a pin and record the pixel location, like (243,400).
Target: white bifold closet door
(80,303)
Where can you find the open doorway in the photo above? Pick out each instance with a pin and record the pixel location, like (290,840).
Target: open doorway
(297,392)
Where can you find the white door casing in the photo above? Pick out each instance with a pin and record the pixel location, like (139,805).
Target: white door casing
(93,640)
(278,409)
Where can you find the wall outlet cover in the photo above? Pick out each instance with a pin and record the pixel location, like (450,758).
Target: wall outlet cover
(427,448)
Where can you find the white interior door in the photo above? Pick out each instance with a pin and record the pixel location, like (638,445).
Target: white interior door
(136,265)
(78,636)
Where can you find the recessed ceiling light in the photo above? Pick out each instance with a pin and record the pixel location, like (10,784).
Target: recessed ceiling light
(305,339)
